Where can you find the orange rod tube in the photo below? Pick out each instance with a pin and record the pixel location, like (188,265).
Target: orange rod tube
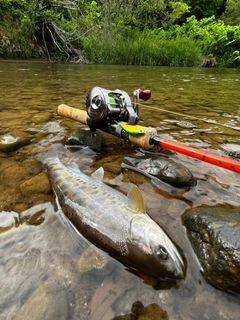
(199,154)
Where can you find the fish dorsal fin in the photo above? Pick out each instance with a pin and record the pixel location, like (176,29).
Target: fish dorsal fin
(98,174)
(136,201)
(73,167)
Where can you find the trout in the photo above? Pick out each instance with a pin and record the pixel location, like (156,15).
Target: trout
(115,223)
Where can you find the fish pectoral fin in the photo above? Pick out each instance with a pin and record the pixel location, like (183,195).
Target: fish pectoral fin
(136,201)
(98,174)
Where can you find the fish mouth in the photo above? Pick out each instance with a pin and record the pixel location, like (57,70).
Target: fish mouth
(177,260)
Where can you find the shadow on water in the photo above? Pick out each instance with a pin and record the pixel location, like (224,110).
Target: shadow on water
(50,271)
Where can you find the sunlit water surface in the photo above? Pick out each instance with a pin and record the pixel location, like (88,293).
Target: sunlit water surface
(40,259)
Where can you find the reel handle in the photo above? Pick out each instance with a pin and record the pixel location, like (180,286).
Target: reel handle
(144,94)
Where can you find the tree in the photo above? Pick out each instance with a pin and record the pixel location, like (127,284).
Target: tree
(45,26)
(205,8)
(122,15)
(231,16)
(177,12)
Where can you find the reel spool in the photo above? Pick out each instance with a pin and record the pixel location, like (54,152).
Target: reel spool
(116,105)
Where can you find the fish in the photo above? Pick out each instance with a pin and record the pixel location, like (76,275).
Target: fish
(115,223)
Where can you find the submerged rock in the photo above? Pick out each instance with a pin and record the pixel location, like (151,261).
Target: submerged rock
(23,185)
(13,140)
(37,184)
(47,302)
(42,117)
(185,124)
(84,137)
(150,312)
(214,233)
(161,168)
(8,220)
(94,260)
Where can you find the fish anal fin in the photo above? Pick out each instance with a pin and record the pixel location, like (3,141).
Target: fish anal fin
(98,174)
(136,201)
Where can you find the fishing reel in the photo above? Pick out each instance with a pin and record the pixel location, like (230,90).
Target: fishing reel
(108,107)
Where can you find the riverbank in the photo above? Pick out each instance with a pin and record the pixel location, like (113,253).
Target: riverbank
(146,51)
(153,34)
(210,62)
(208,43)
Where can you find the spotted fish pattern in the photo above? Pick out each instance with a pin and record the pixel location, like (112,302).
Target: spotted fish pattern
(115,223)
(89,201)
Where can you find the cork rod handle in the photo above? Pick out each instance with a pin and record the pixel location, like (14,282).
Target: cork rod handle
(72,113)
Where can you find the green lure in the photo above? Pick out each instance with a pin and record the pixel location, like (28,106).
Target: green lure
(132,129)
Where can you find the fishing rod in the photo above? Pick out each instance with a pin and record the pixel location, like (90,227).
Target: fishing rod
(113,111)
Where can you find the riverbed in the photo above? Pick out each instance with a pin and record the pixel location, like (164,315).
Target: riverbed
(41,254)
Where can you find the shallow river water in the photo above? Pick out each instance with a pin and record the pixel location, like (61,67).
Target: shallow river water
(41,262)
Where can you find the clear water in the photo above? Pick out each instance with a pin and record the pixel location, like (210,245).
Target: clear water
(40,260)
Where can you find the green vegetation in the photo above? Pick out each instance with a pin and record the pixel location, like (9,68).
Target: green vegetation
(142,48)
(146,32)
(214,37)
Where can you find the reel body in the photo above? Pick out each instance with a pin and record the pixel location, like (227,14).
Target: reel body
(106,109)
(106,104)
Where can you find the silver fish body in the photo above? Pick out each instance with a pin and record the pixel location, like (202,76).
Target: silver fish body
(115,223)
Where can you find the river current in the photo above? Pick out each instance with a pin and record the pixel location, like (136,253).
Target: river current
(41,262)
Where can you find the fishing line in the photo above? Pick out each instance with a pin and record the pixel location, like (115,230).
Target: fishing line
(192,117)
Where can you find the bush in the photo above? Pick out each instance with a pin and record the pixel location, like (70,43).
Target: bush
(214,37)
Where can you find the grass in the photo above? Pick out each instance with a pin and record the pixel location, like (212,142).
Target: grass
(142,50)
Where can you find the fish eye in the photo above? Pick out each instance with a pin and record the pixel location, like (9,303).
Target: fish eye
(161,252)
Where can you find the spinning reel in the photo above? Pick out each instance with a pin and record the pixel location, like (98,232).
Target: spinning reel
(107,108)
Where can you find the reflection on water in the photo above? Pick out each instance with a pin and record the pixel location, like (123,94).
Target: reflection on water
(41,267)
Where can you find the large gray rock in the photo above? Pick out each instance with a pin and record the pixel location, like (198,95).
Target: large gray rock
(214,233)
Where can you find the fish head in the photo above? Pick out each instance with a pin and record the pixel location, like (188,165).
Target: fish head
(157,254)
